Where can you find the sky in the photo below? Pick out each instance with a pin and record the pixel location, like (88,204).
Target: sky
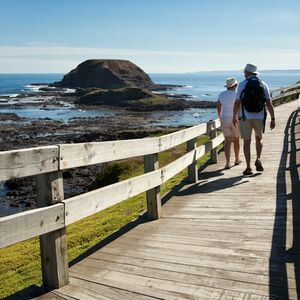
(160,36)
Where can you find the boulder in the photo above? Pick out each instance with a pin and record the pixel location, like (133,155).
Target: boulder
(106,74)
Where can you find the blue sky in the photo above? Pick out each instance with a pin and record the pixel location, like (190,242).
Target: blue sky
(160,35)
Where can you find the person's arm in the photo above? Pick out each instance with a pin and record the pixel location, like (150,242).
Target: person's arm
(236,109)
(271,111)
(237,104)
(219,109)
(269,105)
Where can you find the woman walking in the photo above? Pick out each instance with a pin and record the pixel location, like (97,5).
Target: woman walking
(225,112)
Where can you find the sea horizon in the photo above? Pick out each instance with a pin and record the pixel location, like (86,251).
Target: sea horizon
(191,72)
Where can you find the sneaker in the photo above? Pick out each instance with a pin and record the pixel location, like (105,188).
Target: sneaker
(248,171)
(258,166)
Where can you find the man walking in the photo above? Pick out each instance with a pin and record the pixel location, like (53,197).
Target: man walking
(225,112)
(253,96)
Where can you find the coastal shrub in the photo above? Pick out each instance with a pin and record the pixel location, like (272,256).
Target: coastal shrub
(286,99)
(117,171)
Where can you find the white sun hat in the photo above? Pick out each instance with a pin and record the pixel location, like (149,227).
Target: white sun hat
(251,69)
(230,82)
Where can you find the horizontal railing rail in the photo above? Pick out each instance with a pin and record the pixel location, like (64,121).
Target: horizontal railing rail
(28,162)
(280,91)
(287,93)
(40,160)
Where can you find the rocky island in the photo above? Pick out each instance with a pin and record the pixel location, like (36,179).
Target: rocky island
(106,74)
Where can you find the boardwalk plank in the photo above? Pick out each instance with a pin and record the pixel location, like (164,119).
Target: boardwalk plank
(98,291)
(129,285)
(157,272)
(190,269)
(255,265)
(166,288)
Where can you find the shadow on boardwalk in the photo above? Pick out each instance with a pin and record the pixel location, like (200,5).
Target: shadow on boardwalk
(281,258)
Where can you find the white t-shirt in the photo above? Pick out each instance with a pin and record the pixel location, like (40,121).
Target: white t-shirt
(252,115)
(227,99)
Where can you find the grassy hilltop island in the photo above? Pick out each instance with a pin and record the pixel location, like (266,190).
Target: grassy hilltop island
(121,83)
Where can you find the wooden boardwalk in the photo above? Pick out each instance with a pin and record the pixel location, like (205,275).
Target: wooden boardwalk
(225,237)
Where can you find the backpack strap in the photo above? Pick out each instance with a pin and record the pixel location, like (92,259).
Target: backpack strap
(243,109)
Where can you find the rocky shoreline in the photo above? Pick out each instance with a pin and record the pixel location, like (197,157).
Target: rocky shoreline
(124,123)
(17,133)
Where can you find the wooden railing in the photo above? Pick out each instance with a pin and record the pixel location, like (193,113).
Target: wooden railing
(279,92)
(54,213)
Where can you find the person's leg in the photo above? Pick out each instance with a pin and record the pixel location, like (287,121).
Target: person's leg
(258,128)
(236,147)
(227,147)
(259,147)
(247,152)
(236,144)
(246,130)
(226,129)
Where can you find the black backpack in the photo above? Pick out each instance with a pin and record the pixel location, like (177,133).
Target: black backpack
(253,96)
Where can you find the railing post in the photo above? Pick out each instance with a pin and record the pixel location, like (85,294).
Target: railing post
(212,135)
(192,169)
(153,195)
(53,245)
(299,107)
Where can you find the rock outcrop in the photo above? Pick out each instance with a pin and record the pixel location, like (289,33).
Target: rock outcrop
(130,97)
(106,74)
(136,99)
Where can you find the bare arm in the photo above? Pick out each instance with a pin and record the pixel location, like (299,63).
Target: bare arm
(271,111)
(219,109)
(236,109)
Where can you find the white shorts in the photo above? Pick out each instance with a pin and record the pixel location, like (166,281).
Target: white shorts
(228,129)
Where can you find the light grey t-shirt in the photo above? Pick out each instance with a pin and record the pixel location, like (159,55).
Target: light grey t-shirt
(252,115)
(227,99)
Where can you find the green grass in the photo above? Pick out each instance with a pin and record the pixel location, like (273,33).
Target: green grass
(20,263)
(285,99)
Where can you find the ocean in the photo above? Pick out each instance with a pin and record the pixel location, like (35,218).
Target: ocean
(208,85)
(200,86)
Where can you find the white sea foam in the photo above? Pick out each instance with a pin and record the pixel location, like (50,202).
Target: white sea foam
(35,88)
(70,90)
(9,95)
(26,100)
